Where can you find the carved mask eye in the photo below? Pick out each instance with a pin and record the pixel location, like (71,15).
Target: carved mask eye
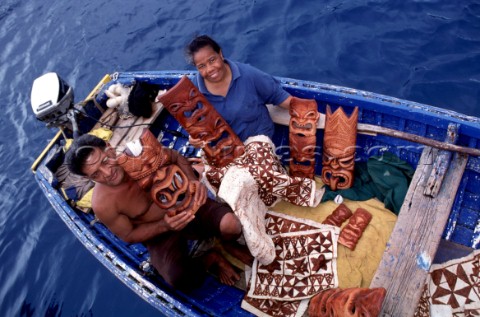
(175,107)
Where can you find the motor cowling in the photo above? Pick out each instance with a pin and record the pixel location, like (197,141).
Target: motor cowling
(51,98)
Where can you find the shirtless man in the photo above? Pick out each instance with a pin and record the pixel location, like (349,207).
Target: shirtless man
(128,211)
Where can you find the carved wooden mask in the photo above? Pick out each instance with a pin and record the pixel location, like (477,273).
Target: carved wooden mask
(339,142)
(302,155)
(302,136)
(338,216)
(193,111)
(303,116)
(153,170)
(350,302)
(354,229)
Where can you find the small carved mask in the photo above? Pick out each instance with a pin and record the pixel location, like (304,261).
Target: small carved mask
(338,216)
(303,116)
(339,142)
(350,302)
(193,111)
(357,302)
(353,231)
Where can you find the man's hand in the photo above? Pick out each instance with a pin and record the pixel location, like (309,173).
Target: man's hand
(178,222)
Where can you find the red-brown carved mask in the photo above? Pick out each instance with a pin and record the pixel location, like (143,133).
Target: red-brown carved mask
(350,302)
(338,158)
(153,170)
(302,153)
(357,302)
(171,189)
(303,116)
(353,231)
(195,113)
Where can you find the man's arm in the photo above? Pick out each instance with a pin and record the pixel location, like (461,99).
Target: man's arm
(286,103)
(122,226)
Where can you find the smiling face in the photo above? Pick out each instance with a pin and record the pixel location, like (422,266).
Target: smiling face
(101,166)
(210,64)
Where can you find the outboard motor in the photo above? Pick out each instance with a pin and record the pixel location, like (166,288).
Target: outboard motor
(51,100)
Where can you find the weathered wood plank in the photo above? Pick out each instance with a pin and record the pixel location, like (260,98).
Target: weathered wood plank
(108,118)
(416,236)
(122,128)
(142,123)
(441,164)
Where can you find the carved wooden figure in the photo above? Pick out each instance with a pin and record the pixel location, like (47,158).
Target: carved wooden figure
(195,113)
(354,229)
(350,302)
(302,136)
(338,216)
(339,142)
(153,170)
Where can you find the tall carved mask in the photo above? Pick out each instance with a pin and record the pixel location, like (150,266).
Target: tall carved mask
(350,302)
(302,136)
(153,170)
(338,159)
(196,115)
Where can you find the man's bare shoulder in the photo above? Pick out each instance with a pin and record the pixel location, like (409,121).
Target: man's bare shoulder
(104,201)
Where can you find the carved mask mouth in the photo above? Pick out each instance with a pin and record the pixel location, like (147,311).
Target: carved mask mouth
(307,126)
(170,188)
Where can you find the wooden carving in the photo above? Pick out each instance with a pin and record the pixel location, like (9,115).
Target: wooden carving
(338,216)
(195,113)
(302,136)
(354,229)
(339,142)
(350,302)
(153,170)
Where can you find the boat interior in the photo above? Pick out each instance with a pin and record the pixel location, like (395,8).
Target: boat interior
(435,222)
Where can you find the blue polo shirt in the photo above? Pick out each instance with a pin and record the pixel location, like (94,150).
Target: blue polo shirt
(244,106)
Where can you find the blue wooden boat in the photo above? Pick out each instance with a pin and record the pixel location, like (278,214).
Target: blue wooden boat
(449,196)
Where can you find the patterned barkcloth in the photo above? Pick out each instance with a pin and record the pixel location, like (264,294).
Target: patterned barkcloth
(305,264)
(272,179)
(452,289)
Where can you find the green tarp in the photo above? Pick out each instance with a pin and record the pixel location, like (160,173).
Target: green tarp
(385,177)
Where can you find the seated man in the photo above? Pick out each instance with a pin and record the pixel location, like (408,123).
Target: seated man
(128,211)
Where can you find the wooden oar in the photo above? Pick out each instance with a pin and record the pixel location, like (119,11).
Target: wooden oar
(281,116)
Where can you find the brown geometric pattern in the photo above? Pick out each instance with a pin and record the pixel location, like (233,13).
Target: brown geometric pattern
(470,310)
(272,179)
(305,261)
(275,308)
(305,264)
(454,284)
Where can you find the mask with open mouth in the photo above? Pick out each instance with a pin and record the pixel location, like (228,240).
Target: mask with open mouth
(153,170)
(338,158)
(302,136)
(195,113)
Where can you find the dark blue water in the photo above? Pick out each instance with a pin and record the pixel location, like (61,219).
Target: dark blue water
(426,51)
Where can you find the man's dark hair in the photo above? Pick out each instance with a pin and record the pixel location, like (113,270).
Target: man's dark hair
(198,43)
(79,151)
